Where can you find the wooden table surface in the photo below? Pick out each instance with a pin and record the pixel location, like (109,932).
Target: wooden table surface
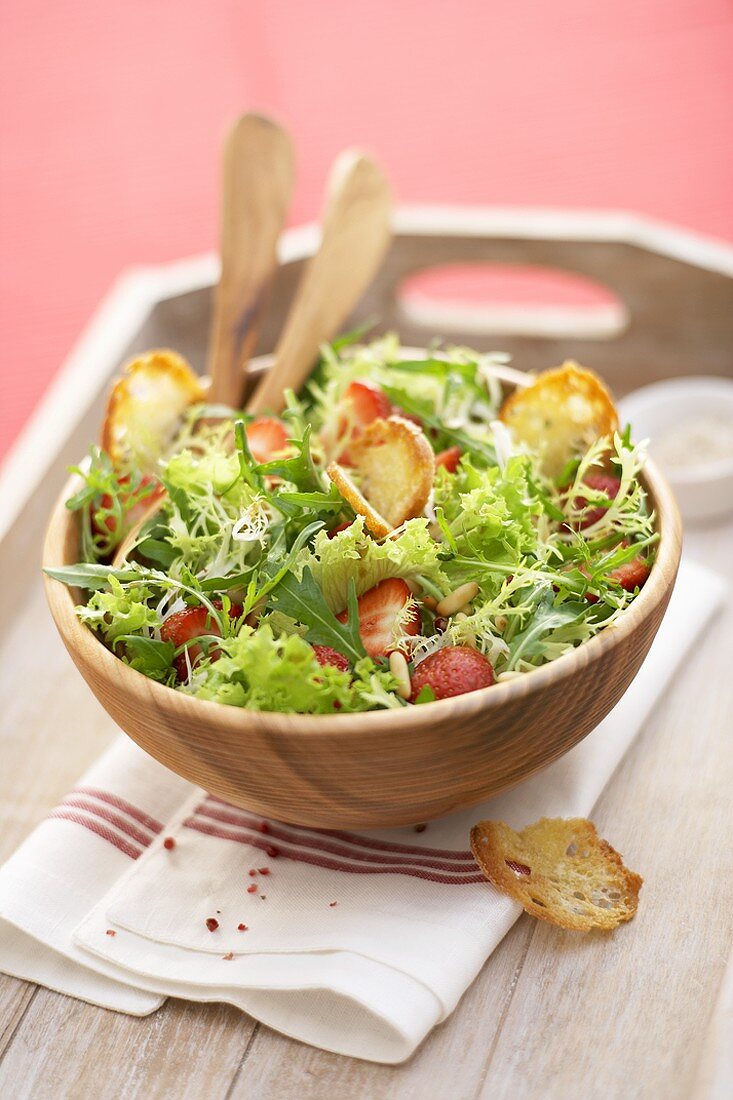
(643,1013)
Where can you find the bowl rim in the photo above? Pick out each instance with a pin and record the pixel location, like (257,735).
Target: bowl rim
(80,638)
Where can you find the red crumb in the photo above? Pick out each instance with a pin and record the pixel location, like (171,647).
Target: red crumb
(420,828)
(272,851)
(212,924)
(252,889)
(263,827)
(264,870)
(263,897)
(241,928)
(169,843)
(229,955)
(251,872)
(111,932)
(331,904)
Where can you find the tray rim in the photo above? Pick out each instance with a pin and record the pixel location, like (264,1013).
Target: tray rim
(139,289)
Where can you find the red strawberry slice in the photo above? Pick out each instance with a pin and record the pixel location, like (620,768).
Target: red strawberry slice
(379,611)
(188,624)
(361,403)
(449,459)
(632,574)
(600,483)
(266,436)
(325,655)
(453,670)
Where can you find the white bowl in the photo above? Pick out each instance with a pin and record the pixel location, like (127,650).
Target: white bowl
(689,423)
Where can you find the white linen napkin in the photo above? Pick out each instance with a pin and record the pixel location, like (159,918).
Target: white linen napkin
(356,943)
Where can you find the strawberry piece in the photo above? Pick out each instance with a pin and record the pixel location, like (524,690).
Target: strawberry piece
(368,402)
(600,483)
(453,670)
(379,610)
(362,403)
(632,574)
(449,459)
(325,655)
(266,436)
(188,624)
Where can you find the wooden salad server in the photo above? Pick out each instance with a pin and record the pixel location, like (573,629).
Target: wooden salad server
(258,172)
(356,235)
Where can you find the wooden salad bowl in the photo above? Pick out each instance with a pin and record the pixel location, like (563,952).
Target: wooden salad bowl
(380,768)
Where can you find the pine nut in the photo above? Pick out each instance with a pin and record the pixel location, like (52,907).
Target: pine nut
(457,600)
(501,623)
(430,602)
(400,671)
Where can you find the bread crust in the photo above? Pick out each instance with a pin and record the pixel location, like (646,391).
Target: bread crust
(396,466)
(561,414)
(377,524)
(560,871)
(145,406)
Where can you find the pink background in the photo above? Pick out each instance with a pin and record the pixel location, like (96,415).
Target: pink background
(112,116)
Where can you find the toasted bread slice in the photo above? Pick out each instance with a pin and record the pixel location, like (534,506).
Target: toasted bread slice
(396,467)
(561,414)
(145,408)
(559,870)
(377,524)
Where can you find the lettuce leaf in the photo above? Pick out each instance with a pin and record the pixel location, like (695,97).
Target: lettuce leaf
(261,671)
(354,555)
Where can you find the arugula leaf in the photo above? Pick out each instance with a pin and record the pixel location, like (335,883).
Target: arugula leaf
(150,656)
(547,617)
(303,601)
(298,469)
(355,335)
(423,411)
(90,575)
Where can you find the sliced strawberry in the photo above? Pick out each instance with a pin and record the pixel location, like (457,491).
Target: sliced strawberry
(449,459)
(380,610)
(453,670)
(266,436)
(600,483)
(632,574)
(188,624)
(325,655)
(368,402)
(361,404)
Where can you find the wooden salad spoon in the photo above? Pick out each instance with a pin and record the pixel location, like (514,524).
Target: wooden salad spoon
(258,171)
(355,238)
(356,235)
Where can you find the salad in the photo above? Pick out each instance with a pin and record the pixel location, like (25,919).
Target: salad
(406,530)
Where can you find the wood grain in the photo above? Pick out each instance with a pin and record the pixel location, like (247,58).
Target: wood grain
(667,809)
(257,182)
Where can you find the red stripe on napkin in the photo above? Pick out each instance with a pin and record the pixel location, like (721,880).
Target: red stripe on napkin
(323,842)
(110,816)
(300,855)
(99,829)
(120,804)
